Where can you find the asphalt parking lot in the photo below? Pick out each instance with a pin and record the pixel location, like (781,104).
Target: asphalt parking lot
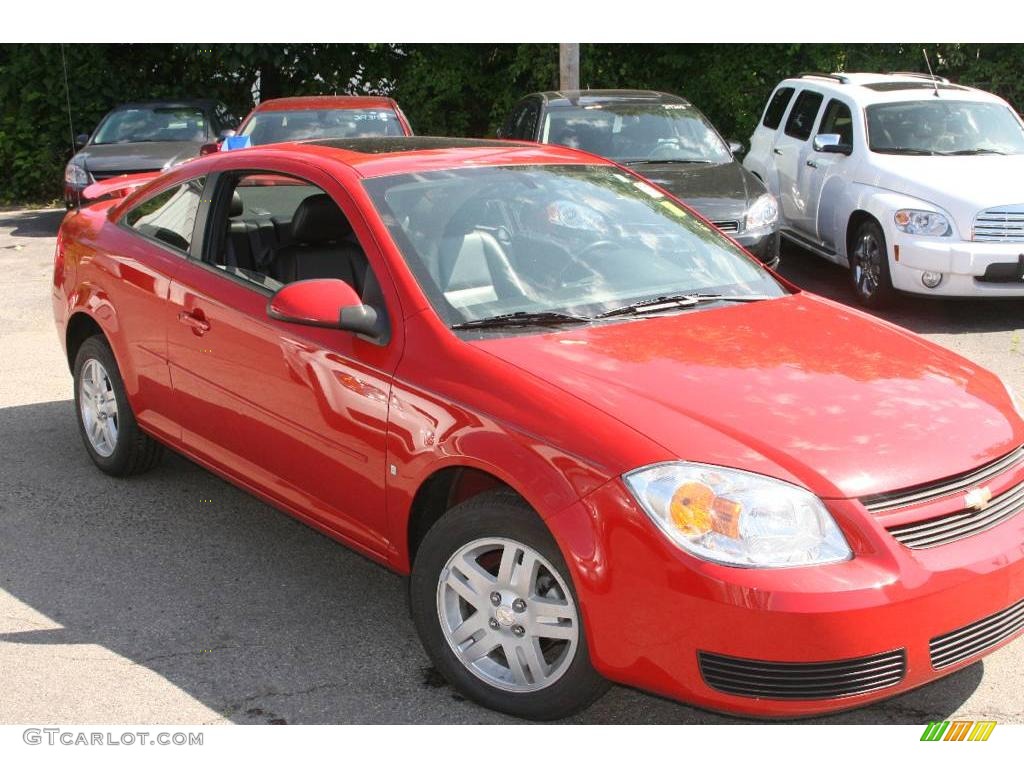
(176,598)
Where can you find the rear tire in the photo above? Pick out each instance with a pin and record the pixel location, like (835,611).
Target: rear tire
(513,605)
(109,431)
(869,266)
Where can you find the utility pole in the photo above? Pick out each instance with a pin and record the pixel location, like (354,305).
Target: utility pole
(569,66)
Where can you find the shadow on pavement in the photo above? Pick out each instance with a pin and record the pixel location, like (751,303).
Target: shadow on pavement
(251,613)
(37,223)
(919,314)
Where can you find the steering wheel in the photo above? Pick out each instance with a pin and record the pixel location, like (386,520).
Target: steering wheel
(577,262)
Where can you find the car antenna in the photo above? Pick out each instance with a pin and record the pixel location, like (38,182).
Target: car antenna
(71,127)
(935,83)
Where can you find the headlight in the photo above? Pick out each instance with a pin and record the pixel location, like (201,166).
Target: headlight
(922,223)
(738,518)
(763,213)
(76,175)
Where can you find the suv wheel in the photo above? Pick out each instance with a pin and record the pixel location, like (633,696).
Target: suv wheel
(497,613)
(112,438)
(869,266)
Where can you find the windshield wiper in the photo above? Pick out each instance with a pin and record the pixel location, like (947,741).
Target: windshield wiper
(973,152)
(513,319)
(904,151)
(679,301)
(665,162)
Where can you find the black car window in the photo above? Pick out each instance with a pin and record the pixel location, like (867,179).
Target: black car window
(777,107)
(526,122)
(170,216)
(838,119)
(801,118)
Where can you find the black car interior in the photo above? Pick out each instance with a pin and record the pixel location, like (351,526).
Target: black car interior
(278,233)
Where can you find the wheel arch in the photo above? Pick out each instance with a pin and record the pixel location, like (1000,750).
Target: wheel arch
(857,218)
(81,326)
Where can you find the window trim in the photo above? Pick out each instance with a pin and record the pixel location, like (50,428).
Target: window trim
(821,122)
(200,219)
(817,114)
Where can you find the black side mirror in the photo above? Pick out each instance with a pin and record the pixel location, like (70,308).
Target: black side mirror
(81,140)
(737,148)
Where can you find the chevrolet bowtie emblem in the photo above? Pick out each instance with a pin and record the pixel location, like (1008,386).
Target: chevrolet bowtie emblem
(978,498)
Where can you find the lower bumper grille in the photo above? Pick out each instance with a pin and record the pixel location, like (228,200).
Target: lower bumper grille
(936,531)
(798,680)
(975,638)
(730,227)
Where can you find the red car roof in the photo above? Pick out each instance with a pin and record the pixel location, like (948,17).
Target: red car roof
(324,102)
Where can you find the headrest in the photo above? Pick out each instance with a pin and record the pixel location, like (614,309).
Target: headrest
(319,220)
(237,206)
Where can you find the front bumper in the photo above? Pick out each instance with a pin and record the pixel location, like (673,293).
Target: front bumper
(969,269)
(765,247)
(651,611)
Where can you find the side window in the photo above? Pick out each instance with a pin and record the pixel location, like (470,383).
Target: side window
(801,118)
(508,128)
(777,107)
(269,229)
(170,216)
(838,119)
(527,125)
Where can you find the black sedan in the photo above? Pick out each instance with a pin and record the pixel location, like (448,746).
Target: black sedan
(666,139)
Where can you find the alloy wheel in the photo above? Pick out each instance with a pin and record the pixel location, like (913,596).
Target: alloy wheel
(867,265)
(98,407)
(507,614)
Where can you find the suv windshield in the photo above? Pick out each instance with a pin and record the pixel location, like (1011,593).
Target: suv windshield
(135,124)
(942,127)
(573,239)
(629,133)
(297,125)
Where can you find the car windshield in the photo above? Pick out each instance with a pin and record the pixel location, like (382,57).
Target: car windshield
(944,127)
(137,124)
(575,239)
(297,125)
(631,133)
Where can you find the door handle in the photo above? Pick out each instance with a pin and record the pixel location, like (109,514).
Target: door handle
(811,164)
(195,321)
(776,150)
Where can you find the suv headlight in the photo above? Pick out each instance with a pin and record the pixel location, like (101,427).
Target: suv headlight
(915,222)
(738,518)
(763,213)
(76,175)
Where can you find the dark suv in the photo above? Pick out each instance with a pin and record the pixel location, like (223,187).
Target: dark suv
(670,142)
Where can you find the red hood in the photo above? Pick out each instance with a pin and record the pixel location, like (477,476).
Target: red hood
(803,389)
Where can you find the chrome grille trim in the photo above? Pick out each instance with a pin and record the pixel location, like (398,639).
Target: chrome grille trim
(799,680)
(1002,224)
(730,227)
(975,638)
(883,502)
(936,531)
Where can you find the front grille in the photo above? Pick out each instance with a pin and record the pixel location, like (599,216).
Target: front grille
(799,680)
(975,638)
(937,531)
(729,227)
(883,502)
(1003,224)
(101,175)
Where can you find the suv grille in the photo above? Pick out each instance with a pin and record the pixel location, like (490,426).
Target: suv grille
(1003,224)
(798,680)
(959,525)
(883,502)
(971,640)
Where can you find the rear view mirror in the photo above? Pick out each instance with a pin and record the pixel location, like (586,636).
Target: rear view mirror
(209,149)
(737,148)
(831,143)
(81,140)
(325,303)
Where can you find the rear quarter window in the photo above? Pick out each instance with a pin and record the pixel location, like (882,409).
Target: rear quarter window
(777,107)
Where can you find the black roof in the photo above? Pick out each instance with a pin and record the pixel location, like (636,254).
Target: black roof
(383,145)
(610,96)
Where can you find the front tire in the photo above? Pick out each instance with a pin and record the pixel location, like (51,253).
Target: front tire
(497,612)
(869,266)
(111,435)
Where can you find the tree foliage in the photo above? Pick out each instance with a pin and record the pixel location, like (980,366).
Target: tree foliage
(462,90)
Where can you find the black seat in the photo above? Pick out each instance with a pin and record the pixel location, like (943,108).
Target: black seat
(322,245)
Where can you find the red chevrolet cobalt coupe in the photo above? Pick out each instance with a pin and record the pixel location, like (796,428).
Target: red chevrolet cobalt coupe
(605,442)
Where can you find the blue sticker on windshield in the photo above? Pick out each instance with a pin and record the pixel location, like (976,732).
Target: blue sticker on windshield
(235,142)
